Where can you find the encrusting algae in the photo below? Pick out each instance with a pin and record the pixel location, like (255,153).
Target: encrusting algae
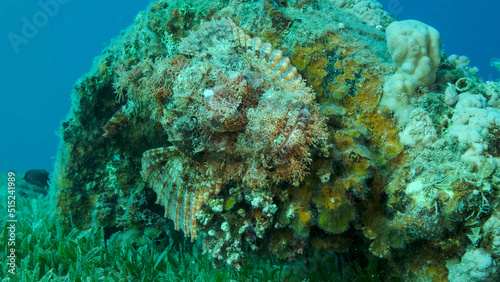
(268,132)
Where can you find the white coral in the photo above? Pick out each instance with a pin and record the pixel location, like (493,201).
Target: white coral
(415,49)
(492,233)
(462,62)
(471,123)
(476,265)
(419,131)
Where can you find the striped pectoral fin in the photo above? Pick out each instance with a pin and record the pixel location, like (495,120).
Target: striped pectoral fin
(201,197)
(185,214)
(180,187)
(152,162)
(191,221)
(180,205)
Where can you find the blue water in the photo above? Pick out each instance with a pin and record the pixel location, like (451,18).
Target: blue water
(470,28)
(37,76)
(38,70)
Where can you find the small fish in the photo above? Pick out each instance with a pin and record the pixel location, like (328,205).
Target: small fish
(38,177)
(495,62)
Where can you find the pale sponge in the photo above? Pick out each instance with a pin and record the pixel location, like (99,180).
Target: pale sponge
(415,49)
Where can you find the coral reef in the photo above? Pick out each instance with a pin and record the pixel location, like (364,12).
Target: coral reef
(369,11)
(476,265)
(286,131)
(491,231)
(472,123)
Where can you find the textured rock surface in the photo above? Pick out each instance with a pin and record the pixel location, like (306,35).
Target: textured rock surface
(285,161)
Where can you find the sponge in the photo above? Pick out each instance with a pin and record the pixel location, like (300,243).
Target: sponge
(415,49)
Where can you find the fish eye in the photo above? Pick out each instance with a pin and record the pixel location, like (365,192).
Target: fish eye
(215,123)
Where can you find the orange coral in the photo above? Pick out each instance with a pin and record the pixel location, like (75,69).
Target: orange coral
(334,208)
(304,216)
